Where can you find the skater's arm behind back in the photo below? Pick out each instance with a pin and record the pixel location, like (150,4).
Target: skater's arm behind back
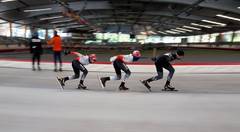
(77,54)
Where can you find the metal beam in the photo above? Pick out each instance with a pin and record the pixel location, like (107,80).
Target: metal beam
(189,8)
(223,5)
(96,5)
(24,3)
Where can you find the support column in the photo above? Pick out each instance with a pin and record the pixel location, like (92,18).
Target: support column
(154,52)
(233,36)
(25,31)
(10,27)
(46,34)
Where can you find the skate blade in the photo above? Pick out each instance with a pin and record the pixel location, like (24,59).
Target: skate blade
(149,89)
(82,89)
(59,83)
(121,90)
(100,82)
(167,90)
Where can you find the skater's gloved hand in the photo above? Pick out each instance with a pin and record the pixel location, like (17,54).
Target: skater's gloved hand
(66,52)
(153,58)
(135,58)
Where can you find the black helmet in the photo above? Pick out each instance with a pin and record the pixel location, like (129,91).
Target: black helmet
(180,52)
(35,34)
(55,32)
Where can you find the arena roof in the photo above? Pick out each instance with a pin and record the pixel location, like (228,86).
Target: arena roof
(162,17)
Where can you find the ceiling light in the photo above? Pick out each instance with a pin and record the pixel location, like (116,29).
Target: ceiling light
(144,33)
(172,32)
(183,29)
(49,18)
(3,1)
(213,22)
(194,28)
(72,26)
(61,21)
(35,10)
(200,25)
(228,17)
(68,24)
(162,32)
(175,30)
(239,7)
(151,32)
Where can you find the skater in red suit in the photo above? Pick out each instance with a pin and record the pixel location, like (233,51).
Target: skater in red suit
(78,65)
(119,63)
(163,61)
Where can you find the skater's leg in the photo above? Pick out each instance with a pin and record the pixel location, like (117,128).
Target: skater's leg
(171,72)
(127,75)
(38,61)
(33,61)
(159,69)
(60,60)
(55,60)
(116,65)
(85,72)
(170,75)
(76,69)
(155,78)
(122,85)
(146,82)
(116,77)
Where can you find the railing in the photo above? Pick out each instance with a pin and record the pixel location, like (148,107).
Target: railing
(16,42)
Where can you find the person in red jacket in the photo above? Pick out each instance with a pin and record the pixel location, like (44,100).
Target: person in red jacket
(78,65)
(57,48)
(119,63)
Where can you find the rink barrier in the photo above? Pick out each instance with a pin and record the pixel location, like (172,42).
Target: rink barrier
(233,67)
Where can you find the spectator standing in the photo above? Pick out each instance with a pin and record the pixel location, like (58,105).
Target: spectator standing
(57,48)
(36,50)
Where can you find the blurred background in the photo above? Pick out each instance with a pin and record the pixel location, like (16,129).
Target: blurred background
(208,30)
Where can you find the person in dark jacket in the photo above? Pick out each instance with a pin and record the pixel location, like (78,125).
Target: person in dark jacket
(36,51)
(163,61)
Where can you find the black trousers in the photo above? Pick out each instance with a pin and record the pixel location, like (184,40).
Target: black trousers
(57,57)
(77,67)
(118,66)
(160,64)
(36,56)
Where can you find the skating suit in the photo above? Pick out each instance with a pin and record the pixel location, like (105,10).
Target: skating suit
(119,63)
(165,59)
(78,64)
(122,58)
(84,60)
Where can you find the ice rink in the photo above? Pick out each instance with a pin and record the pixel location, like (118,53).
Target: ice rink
(33,102)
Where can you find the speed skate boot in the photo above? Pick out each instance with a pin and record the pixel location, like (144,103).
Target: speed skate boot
(81,85)
(122,87)
(145,83)
(61,81)
(60,69)
(39,68)
(168,88)
(33,68)
(103,81)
